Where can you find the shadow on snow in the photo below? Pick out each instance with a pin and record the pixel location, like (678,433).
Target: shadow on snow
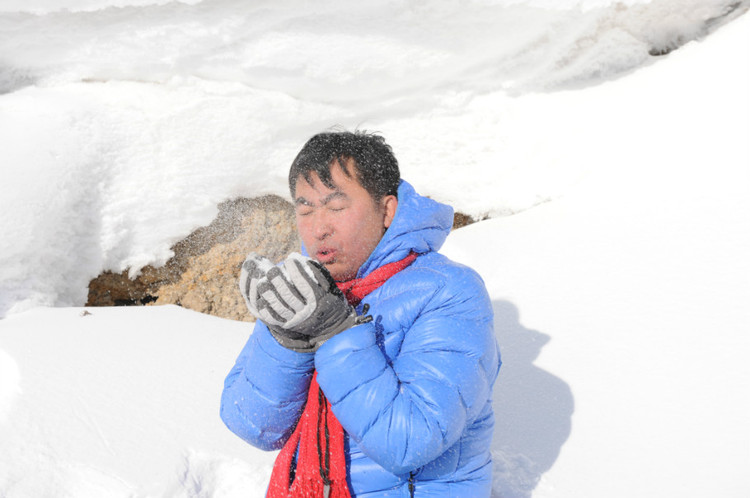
(533,409)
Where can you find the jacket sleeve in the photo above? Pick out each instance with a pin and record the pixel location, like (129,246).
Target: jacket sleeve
(407,413)
(265,392)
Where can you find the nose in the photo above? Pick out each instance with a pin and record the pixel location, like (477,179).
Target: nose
(322,227)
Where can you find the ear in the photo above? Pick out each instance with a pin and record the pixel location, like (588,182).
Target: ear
(389,203)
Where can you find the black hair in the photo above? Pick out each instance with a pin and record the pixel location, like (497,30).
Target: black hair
(374,163)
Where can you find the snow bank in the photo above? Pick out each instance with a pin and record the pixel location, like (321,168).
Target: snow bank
(125,126)
(622,307)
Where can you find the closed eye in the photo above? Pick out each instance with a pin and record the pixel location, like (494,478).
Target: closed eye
(303,206)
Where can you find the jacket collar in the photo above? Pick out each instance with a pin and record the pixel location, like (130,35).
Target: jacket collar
(420,225)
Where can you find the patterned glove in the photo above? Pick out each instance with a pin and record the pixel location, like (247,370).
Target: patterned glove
(252,275)
(299,302)
(254,269)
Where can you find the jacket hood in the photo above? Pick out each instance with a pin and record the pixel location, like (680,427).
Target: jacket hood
(420,225)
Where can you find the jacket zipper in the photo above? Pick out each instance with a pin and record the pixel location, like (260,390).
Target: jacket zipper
(411,484)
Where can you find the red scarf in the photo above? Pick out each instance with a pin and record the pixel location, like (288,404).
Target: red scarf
(321,462)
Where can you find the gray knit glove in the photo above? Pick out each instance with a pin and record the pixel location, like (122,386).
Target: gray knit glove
(298,301)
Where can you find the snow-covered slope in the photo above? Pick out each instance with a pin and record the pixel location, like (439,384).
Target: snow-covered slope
(620,297)
(632,290)
(125,126)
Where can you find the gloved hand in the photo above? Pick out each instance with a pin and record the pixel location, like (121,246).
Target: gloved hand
(298,301)
(254,270)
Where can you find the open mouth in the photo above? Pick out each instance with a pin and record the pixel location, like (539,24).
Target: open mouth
(326,255)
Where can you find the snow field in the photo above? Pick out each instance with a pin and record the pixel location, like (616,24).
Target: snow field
(620,283)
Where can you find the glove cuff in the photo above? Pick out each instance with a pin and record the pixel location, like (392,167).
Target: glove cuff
(298,345)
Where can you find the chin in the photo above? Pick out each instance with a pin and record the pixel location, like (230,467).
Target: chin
(341,275)
(338,277)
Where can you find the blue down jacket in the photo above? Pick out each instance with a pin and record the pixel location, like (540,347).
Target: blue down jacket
(412,388)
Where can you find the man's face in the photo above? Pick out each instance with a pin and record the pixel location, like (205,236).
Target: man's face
(341,226)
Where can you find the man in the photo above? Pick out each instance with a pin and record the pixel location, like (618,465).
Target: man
(373,360)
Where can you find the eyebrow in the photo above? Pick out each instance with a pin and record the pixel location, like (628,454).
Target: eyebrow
(301,201)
